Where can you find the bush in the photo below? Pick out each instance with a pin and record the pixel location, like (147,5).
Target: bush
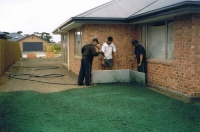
(57,48)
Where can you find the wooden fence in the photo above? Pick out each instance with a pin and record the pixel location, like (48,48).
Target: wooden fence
(9,53)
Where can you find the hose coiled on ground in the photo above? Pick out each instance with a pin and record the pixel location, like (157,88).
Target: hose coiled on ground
(30,76)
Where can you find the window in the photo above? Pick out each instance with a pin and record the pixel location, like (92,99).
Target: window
(78,41)
(64,49)
(158,38)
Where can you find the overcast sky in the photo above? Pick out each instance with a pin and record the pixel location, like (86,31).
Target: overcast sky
(31,16)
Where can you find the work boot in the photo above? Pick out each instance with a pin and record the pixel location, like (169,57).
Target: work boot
(80,84)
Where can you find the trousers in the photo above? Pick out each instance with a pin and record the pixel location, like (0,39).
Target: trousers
(142,68)
(85,72)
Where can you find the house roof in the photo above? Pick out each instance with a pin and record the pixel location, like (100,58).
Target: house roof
(130,11)
(15,37)
(163,4)
(30,36)
(162,9)
(117,9)
(3,35)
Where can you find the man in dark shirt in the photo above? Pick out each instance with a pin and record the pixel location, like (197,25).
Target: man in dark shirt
(140,55)
(88,53)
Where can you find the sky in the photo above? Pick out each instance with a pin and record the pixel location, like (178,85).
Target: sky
(31,16)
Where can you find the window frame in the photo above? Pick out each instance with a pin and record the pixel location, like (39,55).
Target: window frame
(77,46)
(144,37)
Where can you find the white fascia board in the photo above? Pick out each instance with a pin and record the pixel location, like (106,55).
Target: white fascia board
(68,27)
(71,26)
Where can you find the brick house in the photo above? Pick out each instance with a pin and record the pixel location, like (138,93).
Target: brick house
(169,30)
(32,43)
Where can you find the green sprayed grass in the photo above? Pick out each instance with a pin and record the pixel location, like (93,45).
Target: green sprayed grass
(103,108)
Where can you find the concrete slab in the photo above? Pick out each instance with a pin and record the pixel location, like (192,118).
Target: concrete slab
(111,76)
(53,84)
(137,77)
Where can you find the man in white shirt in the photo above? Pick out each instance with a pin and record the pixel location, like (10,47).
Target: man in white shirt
(108,48)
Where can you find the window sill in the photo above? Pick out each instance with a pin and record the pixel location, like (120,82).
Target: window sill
(78,57)
(160,61)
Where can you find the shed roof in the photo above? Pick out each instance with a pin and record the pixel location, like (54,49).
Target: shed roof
(130,11)
(30,36)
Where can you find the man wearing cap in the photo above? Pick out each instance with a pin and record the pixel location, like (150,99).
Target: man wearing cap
(88,52)
(140,55)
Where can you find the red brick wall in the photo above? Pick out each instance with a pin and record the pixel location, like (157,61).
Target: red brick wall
(182,73)
(122,35)
(183,53)
(195,46)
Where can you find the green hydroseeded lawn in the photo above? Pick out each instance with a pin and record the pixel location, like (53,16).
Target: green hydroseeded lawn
(102,108)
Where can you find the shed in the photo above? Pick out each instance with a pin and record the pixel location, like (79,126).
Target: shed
(32,43)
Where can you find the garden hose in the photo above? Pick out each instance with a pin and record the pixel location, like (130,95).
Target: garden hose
(30,76)
(17,76)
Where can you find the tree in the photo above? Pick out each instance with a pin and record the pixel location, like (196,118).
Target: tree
(44,35)
(36,34)
(19,32)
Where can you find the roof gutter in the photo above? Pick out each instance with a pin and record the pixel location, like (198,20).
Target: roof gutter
(62,25)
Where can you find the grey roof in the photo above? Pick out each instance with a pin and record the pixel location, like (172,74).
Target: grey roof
(117,9)
(4,36)
(161,4)
(130,11)
(2,33)
(16,37)
(128,8)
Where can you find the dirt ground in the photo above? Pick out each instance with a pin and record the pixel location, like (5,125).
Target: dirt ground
(29,65)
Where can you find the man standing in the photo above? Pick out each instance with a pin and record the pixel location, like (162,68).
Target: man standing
(108,48)
(140,55)
(88,53)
